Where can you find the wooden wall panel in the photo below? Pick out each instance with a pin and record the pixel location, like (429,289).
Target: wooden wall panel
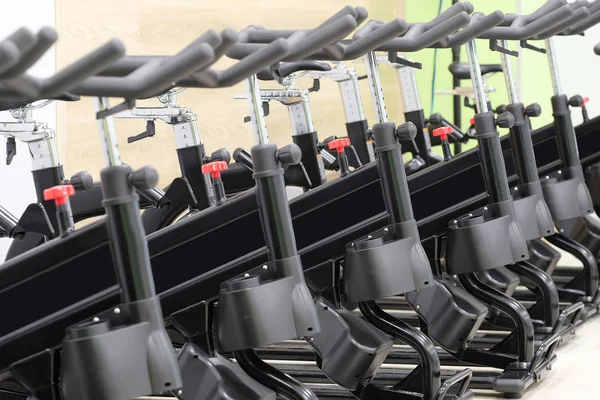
(164,27)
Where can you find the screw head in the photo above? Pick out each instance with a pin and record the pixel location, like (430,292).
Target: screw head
(369,237)
(265,267)
(485,208)
(312,338)
(246,275)
(117,310)
(559,172)
(180,392)
(385,229)
(418,306)
(95,319)
(547,177)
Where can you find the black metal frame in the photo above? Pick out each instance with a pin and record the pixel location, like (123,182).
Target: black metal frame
(72,278)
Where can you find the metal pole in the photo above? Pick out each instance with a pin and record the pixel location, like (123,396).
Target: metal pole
(108,134)
(375,85)
(553,63)
(509,78)
(456,97)
(475,69)
(257,116)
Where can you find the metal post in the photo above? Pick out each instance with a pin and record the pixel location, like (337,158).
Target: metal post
(509,78)
(375,85)
(475,69)
(522,146)
(257,116)
(553,64)
(108,133)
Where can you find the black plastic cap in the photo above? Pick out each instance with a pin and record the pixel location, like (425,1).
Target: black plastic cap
(220,155)
(435,119)
(407,131)
(533,110)
(384,134)
(505,120)
(82,180)
(144,178)
(500,109)
(576,101)
(289,155)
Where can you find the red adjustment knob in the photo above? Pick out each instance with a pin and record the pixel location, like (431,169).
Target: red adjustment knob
(339,145)
(59,194)
(214,168)
(442,132)
(472,121)
(585,101)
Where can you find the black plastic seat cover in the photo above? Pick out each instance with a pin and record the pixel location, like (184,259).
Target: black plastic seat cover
(461,70)
(287,68)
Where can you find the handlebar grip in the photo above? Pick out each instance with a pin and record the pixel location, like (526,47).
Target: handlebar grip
(546,8)
(347,10)
(330,33)
(529,30)
(377,38)
(211,37)
(478,25)
(31,48)
(417,39)
(86,66)
(9,56)
(579,15)
(154,77)
(450,12)
(591,20)
(265,57)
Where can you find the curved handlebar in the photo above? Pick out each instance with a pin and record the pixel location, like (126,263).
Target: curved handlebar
(478,25)
(31,51)
(594,18)
(420,36)
(9,56)
(524,27)
(32,88)
(152,78)
(580,14)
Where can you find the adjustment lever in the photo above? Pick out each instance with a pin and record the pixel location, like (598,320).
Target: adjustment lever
(579,101)
(64,215)
(81,181)
(218,155)
(244,158)
(11,149)
(443,133)
(214,169)
(149,132)
(340,146)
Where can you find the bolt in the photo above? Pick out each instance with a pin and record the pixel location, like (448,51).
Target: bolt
(246,275)
(516,188)
(117,310)
(265,267)
(559,172)
(96,319)
(385,229)
(352,244)
(547,177)
(485,208)
(418,306)
(312,338)
(369,237)
(562,230)
(180,392)
(470,215)
(455,221)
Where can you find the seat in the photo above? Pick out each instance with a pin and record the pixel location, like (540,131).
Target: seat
(461,70)
(285,69)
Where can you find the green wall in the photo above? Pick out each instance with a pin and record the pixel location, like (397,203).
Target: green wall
(535,73)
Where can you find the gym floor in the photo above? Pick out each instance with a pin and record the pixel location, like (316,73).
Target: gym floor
(574,374)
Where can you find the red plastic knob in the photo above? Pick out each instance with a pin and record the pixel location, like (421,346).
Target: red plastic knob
(339,144)
(585,101)
(472,121)
(214,168)
(442,132)
(59,194)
